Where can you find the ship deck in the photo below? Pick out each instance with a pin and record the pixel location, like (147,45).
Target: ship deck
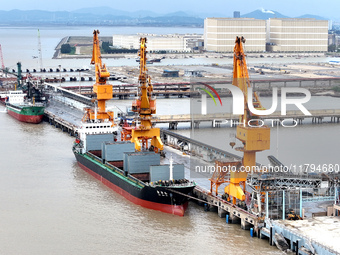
(179,157)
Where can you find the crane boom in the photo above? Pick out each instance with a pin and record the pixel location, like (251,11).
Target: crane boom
(255,137)
(241,80)
(101,72)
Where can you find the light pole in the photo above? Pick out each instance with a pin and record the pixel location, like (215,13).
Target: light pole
(79,81)
(59,75)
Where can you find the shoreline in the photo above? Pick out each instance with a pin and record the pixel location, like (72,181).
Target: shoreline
(182,55)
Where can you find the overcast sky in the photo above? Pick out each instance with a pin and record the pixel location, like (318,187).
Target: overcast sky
(293,8)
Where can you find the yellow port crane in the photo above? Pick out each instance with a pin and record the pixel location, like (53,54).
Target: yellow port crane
(254,136)
(103,91)
(145,106)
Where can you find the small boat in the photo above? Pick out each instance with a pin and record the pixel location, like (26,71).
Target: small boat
(151,61)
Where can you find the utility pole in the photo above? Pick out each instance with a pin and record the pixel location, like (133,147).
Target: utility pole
(39,51)
(19,76)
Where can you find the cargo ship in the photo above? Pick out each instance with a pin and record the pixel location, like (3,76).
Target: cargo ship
(136,175)
(22,110)
(26,103)
(130,163)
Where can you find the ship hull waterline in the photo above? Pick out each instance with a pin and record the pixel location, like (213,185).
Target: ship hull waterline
(28,118)
(147,197)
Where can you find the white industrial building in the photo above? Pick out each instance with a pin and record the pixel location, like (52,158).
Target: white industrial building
(276,35)
(297,35)
(156,43)
(220,34)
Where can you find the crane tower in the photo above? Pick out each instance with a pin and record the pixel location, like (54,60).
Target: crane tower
(145,106)
(101,88)
(253,136)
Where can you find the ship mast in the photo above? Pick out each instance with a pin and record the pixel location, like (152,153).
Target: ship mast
(101,88)
(145,106)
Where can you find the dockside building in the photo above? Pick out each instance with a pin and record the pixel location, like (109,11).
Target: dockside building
(297,35)
(273,35)
(220,34)
(156,43)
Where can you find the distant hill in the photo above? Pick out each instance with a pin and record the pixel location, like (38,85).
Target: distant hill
(29,17)
(98,16)
(104,10)
(264,14)
(310,16)
(267,14)
(106,16)
(101,11)
(177,14)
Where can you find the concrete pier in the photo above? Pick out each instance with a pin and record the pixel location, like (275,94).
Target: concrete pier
(221,212)
(313,236)
(236,215)
(245,225)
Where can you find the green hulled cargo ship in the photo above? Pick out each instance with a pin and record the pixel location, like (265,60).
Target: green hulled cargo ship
(24,111)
